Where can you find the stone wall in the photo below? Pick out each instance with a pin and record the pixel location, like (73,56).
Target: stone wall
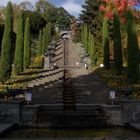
(28,114)
(115,118)
(9,112)
(114,115)
(128,112)
(131,111)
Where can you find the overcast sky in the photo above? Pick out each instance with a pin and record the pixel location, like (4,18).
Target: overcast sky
(72,6)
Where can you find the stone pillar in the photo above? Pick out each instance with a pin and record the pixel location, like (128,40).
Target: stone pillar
(131,111)
(46,62)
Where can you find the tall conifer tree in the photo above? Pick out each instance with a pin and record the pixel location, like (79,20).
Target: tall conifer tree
(40,42)
(18,61)
(6,55)
(91,15)
(133,53)
(46,37)
(117,44)
(93,51)
(44,41)
(85,36)
(27,47)
(106,55)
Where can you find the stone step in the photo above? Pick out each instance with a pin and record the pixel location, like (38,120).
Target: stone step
(69,100)
(58,73)
(46,83)
(68,97)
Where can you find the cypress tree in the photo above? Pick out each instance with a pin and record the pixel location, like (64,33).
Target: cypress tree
(117,44)
(49,26)
(133,53)
(85,36)
(40,42)
(46,36)
(82,34)
(6,55)
(106,54)
(18,61)
(27,47)
(44,41)
(92,51)
(89,42)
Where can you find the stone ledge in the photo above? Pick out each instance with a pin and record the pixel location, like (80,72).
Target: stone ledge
(5,127)
(136,126)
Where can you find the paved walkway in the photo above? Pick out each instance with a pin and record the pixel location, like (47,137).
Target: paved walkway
(91,88)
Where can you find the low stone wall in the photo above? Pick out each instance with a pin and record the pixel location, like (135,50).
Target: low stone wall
(28,114)
(128,112)
(115,117)
(113,113)
(9,112)
(131,111)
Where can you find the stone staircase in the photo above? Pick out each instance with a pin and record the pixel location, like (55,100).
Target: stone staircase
(48,89)
(69,95)
(90,90)
(54,116)
(46,77)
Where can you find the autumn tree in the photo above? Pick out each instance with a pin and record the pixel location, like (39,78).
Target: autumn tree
(120,7)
